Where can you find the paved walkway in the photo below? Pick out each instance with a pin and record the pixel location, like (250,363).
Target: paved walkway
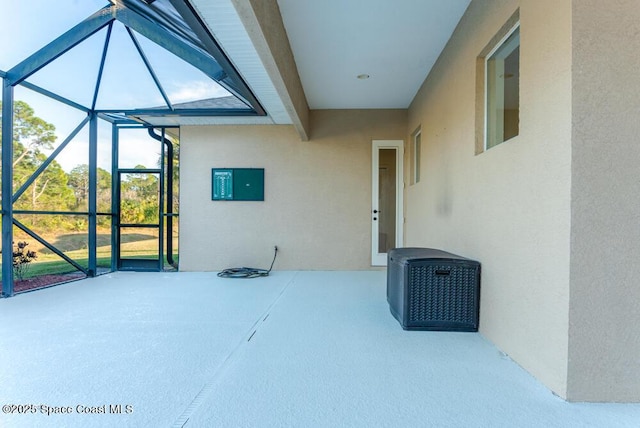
(296,349)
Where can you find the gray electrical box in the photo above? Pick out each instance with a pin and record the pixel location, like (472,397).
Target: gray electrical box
(237,184)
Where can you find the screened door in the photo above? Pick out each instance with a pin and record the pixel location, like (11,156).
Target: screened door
(139,225)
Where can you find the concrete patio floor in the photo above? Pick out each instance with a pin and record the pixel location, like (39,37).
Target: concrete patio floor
(295,349)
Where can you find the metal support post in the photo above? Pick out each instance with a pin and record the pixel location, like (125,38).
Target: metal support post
(115,200)
(7,189)
(93,197)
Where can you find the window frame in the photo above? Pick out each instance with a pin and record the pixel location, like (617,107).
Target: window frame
(497,46)
(416,150)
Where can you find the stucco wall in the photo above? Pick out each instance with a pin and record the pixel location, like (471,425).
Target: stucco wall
(317,193)
(604,357)
(509,206)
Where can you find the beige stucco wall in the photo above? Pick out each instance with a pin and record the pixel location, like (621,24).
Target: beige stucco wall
(508,207)
(551,214)
(317,193)
(604,352)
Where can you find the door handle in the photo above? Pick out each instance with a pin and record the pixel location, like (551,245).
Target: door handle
(377,211)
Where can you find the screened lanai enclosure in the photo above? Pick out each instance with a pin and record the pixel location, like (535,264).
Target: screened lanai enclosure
(93,96)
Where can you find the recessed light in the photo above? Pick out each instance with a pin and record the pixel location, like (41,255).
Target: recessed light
(363,76)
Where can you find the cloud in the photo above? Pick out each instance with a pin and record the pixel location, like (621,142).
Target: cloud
(196,90)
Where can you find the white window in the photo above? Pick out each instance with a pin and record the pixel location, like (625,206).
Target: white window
(415,154)
(502,90)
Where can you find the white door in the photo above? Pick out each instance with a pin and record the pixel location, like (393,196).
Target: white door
(386,202)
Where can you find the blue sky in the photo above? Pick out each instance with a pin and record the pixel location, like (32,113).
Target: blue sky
(125,84)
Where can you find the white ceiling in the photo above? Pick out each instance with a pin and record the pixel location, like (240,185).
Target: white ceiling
(395,42)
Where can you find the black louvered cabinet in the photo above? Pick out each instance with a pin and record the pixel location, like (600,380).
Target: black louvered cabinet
(430,289)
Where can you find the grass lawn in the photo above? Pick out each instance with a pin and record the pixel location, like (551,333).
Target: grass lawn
(74,245)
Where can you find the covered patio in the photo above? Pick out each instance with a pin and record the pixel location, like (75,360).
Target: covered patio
(295,349)
(495,130)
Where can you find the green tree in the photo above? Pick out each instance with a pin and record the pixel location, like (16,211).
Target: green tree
(176,168)
(50,191)
(176,171)
(79,183)
(139,198)
(31,134)
(32,137)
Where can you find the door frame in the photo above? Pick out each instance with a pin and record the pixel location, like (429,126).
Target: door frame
(143,264)
(380,259)
(166,155)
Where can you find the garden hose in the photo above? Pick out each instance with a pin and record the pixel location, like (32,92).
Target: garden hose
(247,272)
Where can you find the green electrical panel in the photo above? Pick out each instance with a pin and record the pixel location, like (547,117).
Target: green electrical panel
(222,184)
(237,184)
(248,184)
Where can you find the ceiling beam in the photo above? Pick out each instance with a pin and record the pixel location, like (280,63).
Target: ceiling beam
(232,81)
(263,23)
(168,41)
